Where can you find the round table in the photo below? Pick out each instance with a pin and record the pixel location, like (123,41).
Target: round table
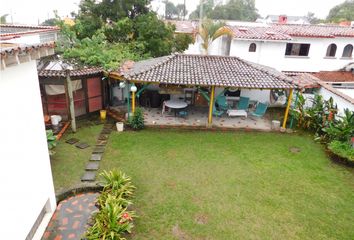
(175,104)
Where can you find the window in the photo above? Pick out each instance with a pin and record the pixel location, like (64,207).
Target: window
(348,51)
(252,47)
(331,50)
(297,49)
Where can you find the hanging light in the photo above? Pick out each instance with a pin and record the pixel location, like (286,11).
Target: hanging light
(133,88)
(122,84)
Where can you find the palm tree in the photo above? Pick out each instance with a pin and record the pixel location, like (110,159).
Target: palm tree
(209,31)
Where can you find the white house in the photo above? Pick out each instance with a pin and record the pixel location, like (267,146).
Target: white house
(27,192)
(28,34)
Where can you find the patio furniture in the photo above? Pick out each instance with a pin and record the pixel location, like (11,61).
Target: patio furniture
(183,113)
(243,103)
(236,113)
(174,104)
(217,113)
(221,101)
(260,110)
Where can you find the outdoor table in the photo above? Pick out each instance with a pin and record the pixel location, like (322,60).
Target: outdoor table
(236,113)
(174,104)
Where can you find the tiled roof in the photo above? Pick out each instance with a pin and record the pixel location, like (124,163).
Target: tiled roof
(335,76)
(303,79)
(251,32)
(184,69)
(184,26)
(73,73)
(13,48)
(8,30)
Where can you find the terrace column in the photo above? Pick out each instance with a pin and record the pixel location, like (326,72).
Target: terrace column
(287,108)
(69,89)
(211,105)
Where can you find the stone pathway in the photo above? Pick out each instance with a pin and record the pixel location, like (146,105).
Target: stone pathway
(70,218)
(94,162)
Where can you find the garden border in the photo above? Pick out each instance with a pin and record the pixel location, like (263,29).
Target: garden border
(82,188)
(338,159)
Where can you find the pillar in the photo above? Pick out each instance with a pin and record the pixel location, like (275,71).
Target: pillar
(287,108)
(211,105)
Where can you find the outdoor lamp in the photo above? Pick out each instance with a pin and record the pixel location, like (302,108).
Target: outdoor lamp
(133,88)
(122,84)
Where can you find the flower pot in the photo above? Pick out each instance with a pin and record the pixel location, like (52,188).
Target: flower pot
(120,126)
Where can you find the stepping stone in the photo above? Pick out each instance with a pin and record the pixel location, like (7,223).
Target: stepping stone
(72,140)
(82,145)
(101,142)
(89,176)
(106,131)
(92,166)
(98,149)
(96,157)
(102,137)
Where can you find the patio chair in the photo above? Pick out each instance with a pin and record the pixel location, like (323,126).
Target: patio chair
(243,103)
(183,113)
(216,112)
(222,103)
(260,110)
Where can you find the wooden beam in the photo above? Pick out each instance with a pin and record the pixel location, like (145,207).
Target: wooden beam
(71,100)
(211,105)
(287,108)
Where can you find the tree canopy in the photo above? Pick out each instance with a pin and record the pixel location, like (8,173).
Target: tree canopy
(106,33)
(342,12)
(244,10)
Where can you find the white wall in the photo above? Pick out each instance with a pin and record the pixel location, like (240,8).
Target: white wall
(341,102)
(272,54)
(26,178)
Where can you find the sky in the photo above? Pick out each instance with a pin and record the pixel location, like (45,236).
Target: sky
(34,11)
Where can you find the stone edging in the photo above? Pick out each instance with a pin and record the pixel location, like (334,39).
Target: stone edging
(82,188)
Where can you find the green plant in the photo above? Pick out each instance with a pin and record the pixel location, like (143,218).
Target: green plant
(342,129)
(342,149)
(111,221)
(137,121)
(51,141)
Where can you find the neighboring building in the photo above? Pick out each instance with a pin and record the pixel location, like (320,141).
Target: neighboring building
(28,34)
(28,198)
(284,19)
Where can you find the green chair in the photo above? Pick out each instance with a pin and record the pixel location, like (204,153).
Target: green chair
(260,110)
(243,103)
(222,103)
(216,112)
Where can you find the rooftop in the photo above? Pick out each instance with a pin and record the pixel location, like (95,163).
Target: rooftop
(9,30)
(203,70)
(335,76)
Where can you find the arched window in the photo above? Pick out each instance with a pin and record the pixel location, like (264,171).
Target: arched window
(252,47)
(348,51)
(331,50)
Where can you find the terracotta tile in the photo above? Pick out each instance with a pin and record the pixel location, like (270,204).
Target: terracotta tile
(76,225)
(71,236)
(74,202)
(46,235)
(58,237)
(65,221)
(68,210)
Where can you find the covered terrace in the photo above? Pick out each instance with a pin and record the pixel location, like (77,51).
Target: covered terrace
(203,90)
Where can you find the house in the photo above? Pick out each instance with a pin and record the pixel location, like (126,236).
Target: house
(27,190)
(284,19)
(28,34)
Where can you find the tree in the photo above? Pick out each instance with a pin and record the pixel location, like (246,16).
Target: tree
(312,18)
(244,10)
(3,19)
(208,6)
(210,31)
(182,11)
(342,12)
(171,11)
(49,22)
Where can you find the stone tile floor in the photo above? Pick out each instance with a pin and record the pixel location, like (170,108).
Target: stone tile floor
(70,218)
(199,117)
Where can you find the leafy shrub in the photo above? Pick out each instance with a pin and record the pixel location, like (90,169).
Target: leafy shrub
(342,129)
(137,121)
(51,141)
(342,149)
(113,218)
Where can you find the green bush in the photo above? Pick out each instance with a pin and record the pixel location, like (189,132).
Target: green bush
(137,120)
(342,149)
(51,141)
(113,218)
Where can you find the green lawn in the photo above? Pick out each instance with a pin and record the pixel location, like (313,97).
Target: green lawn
(213,185)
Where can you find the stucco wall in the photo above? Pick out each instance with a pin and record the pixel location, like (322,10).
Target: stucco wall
(26,178)
(341,102)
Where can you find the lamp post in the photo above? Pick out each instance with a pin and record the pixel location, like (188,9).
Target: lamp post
(133,89)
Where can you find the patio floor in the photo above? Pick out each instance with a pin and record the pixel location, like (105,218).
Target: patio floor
(198,116)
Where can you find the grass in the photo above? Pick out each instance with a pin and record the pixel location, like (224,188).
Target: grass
(213,185)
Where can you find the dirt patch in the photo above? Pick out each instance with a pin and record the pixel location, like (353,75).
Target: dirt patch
(171,184)
(294,149)
(201,219)
(179,234)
